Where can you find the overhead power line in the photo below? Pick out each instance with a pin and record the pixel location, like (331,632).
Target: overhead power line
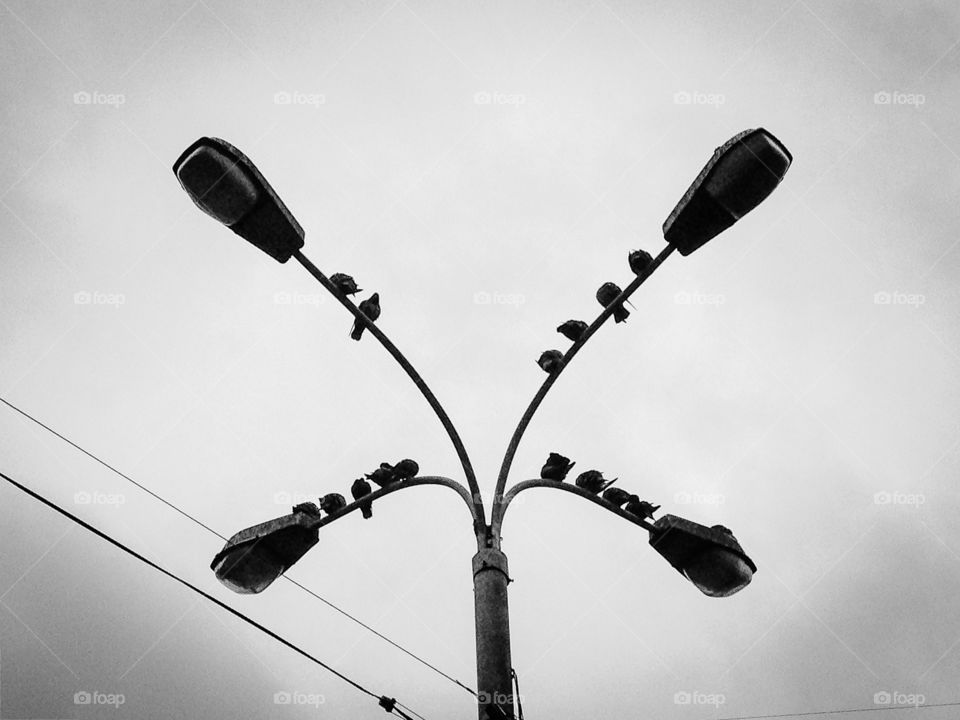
(384,701)
(209,529)
(840,712)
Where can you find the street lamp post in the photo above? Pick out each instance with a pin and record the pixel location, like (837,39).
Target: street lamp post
(226,185)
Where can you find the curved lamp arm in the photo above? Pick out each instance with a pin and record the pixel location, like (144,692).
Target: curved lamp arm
(475,501)
(552,378)
(500,508)
(403,485)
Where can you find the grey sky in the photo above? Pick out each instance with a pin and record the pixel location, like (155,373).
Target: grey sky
(795,380)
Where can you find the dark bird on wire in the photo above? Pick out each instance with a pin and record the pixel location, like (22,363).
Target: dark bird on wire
(360,489)
(306,507)
(384,475)
(345,284)
(406,469)
(556,467)
(332,502)
(593,481)
(616,496)
(551,361)
(641,508)
(369,307)
(606,295)
(573,329)
(639,261)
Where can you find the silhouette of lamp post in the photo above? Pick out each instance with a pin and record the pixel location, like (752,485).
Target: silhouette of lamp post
(226,185)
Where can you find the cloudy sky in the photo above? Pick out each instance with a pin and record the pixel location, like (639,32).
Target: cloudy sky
(485,167)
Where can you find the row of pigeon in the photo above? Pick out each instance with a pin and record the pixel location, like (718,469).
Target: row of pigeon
(551,361)
(370,307)
(384,476)
(557,467)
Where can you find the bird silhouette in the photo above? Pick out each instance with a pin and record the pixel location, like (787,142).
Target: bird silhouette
(641,508)
(573,329)
(593,481)
(306,507)
(551,361)
(384,475)
(556,467)
(606,295)
(616,496)
(639,261)
(332,502)
(406,469)
(345,284)
(369,307)
(360,489)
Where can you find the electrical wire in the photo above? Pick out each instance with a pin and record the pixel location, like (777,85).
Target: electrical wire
(186,583)
(209,529)
(839,712)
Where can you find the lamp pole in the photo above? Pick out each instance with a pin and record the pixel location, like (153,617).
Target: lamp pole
(226,185)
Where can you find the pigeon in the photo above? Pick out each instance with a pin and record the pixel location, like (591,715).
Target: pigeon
(641,508)
(360,489)
(556,467)
(592,481)
(332,502)
(606,295)
(306,507)
(406,469)
(616,496)
(345,284)
(551,361)
(384,475)
(639,261)
(573,329)
(369,307)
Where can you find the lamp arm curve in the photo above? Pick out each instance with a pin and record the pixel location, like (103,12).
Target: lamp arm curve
(500,508)
(552,378)
(474,497)
(395,487)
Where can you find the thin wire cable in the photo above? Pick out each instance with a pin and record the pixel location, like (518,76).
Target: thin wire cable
(839,712)
(208,596)
(209,529)
(410,710)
